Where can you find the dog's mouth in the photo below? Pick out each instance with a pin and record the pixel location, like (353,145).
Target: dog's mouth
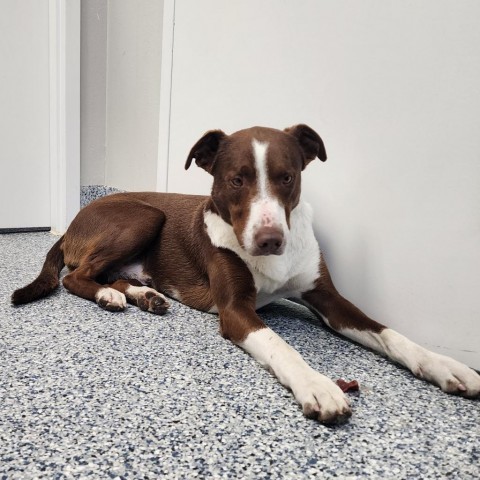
(257,253)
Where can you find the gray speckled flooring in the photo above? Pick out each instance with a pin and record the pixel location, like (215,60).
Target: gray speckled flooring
(85,393)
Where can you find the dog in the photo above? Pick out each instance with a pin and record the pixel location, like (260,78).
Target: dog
(247,244)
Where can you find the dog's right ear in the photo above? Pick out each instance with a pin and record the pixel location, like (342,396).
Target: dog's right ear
(205,150)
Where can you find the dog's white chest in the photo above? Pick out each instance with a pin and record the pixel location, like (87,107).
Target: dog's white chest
(276,276)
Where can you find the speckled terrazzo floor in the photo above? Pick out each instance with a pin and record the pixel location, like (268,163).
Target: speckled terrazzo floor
(85,393)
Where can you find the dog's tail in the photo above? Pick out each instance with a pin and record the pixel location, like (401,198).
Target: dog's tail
(47,281)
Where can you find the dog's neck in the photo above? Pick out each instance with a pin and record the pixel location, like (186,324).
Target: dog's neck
(274,272)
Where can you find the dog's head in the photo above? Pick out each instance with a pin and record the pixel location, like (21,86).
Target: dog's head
(256,180)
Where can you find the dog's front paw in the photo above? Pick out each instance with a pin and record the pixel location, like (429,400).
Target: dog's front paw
(321,399)
(111,299)
(449,374)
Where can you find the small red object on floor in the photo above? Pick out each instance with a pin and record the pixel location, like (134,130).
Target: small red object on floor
(348,386)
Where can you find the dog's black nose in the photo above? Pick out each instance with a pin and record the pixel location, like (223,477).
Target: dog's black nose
(269,241)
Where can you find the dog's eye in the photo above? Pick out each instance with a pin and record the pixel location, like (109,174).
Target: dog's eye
(287,179)
(237,181)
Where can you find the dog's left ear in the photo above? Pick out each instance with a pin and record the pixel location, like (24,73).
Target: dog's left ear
(205,150)
(310,142)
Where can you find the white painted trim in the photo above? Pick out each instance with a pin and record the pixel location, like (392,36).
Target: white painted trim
(165,95)
(64,35)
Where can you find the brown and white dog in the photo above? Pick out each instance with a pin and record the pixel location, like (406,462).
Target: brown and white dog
(250,242)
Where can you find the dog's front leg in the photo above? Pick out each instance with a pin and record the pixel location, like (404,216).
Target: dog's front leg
(319,397)
(342,316)
(234,293)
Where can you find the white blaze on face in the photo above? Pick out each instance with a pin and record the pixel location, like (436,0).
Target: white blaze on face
(265,209)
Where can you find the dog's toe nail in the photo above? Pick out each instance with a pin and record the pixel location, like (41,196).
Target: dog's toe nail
(113,307)
(143,304)
(343,418)
(311,411)
(158,305)
(314,411)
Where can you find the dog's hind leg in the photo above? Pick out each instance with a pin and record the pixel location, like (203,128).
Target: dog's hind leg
(81,282)
(102,239)
(342,316)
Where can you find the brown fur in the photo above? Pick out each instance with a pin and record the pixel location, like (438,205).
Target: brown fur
(46,282)
(326,300)
(165,233)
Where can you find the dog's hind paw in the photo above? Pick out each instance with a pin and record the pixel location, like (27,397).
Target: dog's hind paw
(111,299)
(147,299)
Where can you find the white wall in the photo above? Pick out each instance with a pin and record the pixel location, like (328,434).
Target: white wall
(93,91)
(121,59)
(133,90)
(394,90)
(24,115)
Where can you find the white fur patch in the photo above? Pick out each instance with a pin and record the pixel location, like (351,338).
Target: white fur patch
(112,297)
(449,374)
(313,391)
(265,209)
(276,276)
(134,293)
(174,293)
(260,156)
(131,271)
